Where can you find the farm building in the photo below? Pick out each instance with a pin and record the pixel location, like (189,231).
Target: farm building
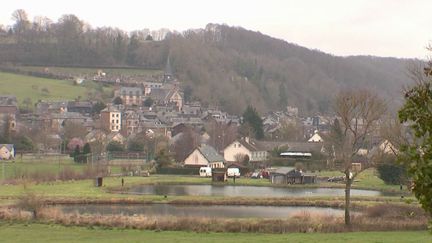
(291,175)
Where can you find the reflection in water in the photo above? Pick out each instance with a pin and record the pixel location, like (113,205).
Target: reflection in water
(200,211)
(245,191)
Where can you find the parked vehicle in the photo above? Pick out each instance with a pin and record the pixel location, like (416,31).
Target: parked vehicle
(231,172)
(256,175)
(205,172)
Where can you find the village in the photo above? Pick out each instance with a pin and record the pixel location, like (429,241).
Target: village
(148,116)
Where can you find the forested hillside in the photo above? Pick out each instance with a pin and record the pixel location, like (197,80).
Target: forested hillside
(220,65)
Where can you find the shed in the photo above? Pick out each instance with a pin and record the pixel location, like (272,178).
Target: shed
(219,175)
(291,175)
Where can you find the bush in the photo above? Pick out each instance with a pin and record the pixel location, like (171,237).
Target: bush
(178,171)
(391,173)
(115,146)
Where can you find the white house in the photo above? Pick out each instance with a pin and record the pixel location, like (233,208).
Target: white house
(243,147)
(7,151)
(316,138)
(111,119)
(204,156)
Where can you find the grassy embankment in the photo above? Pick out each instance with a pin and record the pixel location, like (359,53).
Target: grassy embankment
(34,88)
(18,232)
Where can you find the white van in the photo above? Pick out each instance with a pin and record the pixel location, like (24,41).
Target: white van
(205,172)
(231,172)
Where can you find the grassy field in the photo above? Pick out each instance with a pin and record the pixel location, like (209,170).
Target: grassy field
(19,232)
(36,88)
(76,71)
(52,165)
(367,179)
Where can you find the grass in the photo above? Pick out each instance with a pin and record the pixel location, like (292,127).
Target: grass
(19,232)
(76,71)
(367,179)
(23,87)
(51,165)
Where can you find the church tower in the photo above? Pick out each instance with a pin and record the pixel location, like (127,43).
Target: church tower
(168,74)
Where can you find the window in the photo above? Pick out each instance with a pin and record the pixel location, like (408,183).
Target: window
(117,115)
(112,127)
(112,121)
(130,94)
(117,121)
(112,115)
(116,127)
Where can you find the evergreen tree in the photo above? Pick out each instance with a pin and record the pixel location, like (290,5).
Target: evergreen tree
(283,102)
(253,119)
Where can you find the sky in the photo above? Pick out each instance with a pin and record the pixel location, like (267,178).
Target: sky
(390,28)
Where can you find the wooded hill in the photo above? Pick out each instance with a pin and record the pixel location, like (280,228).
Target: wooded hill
(219,65)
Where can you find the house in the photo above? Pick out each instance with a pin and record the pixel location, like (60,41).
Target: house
(245,147)
(47,107)
(116,137)
(316,138)
(387,147)
(111,119)
(204,156)
(131,95)
(130,123)
(291,175)
(83,107)
(7,151)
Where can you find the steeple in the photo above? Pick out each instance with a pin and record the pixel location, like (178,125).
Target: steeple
(168,75)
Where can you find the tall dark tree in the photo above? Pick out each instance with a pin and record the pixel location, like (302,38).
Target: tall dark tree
(283,98)
(131,58)
(253,119)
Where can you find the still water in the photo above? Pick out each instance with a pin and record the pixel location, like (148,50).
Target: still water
(225,211)
(245,191)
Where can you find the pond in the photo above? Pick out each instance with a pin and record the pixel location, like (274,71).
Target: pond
(224,211)
(246,191)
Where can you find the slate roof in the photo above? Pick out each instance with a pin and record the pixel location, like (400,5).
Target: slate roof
(210,153)
(283,170)
(126,90)
(110,109)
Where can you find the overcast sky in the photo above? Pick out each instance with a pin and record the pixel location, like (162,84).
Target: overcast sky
(397,28)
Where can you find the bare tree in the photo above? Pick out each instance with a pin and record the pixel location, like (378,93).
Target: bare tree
(358,112)
(186,143)
(74,130)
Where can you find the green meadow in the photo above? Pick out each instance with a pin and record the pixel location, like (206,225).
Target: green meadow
(34,88)
(20,232)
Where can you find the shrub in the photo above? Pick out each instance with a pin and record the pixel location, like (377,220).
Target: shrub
(391,173)
(31,202)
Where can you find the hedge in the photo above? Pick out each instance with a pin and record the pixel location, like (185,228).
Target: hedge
(178,171)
